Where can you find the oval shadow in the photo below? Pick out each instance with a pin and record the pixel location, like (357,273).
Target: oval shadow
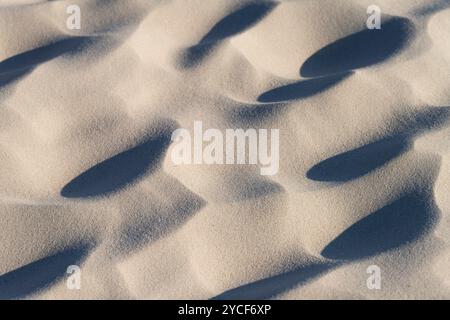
(361,49)
(115,173)
(302,89)
(232,24)
(358,162)
(394,225)
(40,274)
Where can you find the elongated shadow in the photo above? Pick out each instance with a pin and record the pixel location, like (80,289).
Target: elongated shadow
(358,162)
(273,286)
(43,54)
(302,89)
(10,77)
(360,49)
(195,54)
(238,21)
(119,171)
(20,65)
(234,23)
(40,274)
(397,224)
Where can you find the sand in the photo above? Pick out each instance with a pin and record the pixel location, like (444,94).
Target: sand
(86,123)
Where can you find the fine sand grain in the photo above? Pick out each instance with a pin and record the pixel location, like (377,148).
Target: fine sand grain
(86,178)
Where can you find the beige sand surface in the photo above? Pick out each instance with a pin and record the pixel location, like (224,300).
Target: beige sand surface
(86,178)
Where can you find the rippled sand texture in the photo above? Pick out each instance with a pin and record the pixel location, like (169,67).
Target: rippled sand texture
(86,118)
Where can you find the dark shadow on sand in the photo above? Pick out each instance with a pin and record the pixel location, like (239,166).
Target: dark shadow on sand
(117,172)
(355,163)
(394,225)
(40,55)
(10,77)
(361,49)
(272,286)
(358,162)
(302,89)
(40,274)
(234,23)
(20,65)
